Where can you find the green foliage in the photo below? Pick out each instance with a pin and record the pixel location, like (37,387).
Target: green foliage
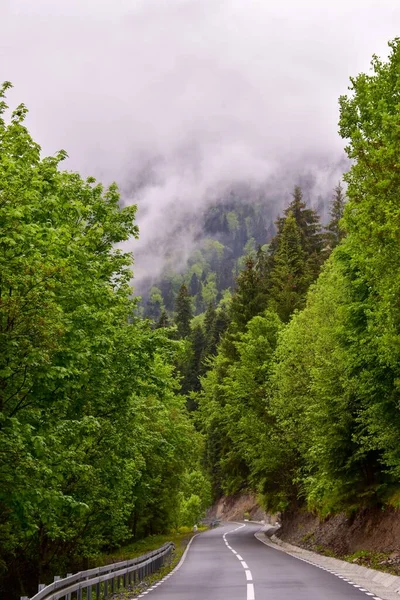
(232,229)
(183,312)
(335,231)
(250,296)
(314,417)
(370,120)
(243,434)
(232,407)
(94,440)
(309,229)
(155,306)
(289,278)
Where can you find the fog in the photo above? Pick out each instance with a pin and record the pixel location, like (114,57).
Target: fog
(178,99)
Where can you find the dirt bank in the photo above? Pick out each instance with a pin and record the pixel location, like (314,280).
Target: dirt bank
(374,529)
(370,537)
(238,508)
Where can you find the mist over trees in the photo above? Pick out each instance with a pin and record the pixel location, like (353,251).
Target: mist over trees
(301,403)
(96,446)
(298,400)
(271,364)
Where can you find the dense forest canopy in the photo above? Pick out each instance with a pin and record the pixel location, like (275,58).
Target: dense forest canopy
(270,365)
(301,401)
(95,443)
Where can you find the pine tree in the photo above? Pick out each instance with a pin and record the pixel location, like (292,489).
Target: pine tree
(209,330)
(311,238)
(209,318)
(250,297)
(219,327)
(167,291)
(198,341)
(289,278)
(225,277)
(183,312)
(163,320)
(335,233)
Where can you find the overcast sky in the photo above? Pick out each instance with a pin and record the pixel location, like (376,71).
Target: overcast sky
(206,91)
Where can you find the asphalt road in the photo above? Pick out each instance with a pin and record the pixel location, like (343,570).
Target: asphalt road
(229,563)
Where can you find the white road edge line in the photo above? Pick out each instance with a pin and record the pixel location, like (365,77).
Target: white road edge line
(178,566)
(355,585)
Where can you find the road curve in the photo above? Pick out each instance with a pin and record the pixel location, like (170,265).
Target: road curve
(229,563)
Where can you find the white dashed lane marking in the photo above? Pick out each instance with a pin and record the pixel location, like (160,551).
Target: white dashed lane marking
(249,576)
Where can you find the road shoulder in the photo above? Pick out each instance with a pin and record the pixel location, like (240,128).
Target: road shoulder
(382,585)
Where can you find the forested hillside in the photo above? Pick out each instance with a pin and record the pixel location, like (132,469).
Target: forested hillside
(282,339)
(301,402)
(230,230)
(296,388)
(96,447)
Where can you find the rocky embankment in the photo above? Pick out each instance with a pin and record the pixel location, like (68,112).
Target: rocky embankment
(370,537)
(237,508)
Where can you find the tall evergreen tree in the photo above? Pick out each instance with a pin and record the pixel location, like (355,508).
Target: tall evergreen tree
(209,320)
(250,296)
(183,312)
(195,370)
(163,320)
(311,238)
(221,324)
(289,278)
(167,291)
(335,233)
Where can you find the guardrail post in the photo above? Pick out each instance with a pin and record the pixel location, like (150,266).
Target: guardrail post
(41,586)
(89,593)
(97,591)
(68,596)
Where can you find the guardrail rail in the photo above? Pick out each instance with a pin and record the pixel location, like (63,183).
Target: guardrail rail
(101,582)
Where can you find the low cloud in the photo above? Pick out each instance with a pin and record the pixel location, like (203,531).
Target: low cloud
(179,99)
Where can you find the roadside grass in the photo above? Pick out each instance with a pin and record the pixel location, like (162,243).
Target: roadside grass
(139,547)
(388,562)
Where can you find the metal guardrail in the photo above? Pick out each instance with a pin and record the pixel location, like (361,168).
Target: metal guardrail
(211,522)
(105,580)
